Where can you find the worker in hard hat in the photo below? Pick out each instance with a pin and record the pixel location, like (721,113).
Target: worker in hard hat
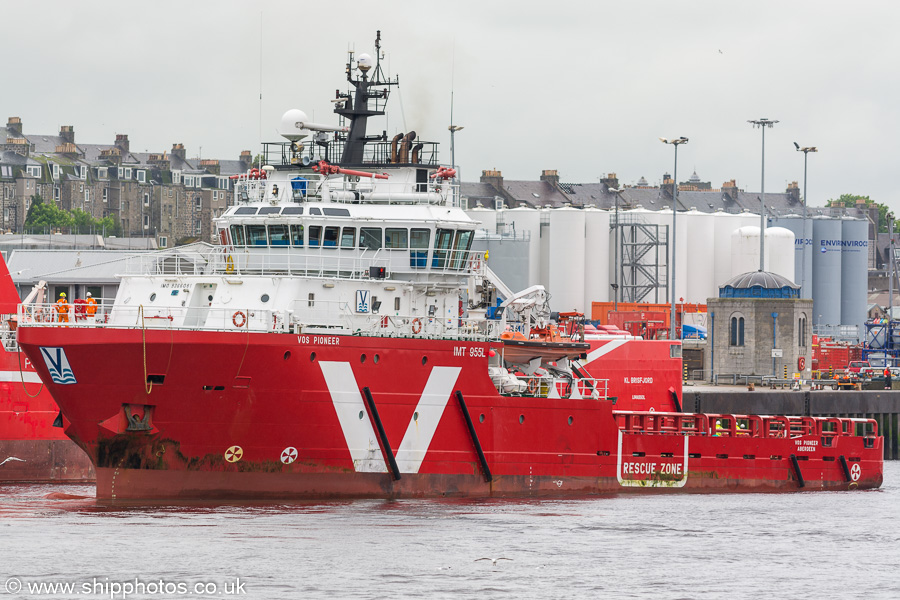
(719,428)
(62,308)
(91,307)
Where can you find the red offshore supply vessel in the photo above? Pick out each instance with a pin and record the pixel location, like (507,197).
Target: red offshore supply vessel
(31,448)
(335,345)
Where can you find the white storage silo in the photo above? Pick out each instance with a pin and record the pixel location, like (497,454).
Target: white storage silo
(826,280)
(745,250)
(780,252)
(486,216)
(544,239)
(725,224)
(854,273)
(701,253)
(597,259)
(566,259)
(527,221)
(802,239)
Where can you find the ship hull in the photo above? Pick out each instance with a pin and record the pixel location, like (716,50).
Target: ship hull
(268,415)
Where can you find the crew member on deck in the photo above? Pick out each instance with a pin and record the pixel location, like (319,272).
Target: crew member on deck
(275,191)
(62,308)
(91,308)
(887,377)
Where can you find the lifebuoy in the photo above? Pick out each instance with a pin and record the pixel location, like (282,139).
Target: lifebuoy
(533,384)
(801,363)
(416,326)
(234,319)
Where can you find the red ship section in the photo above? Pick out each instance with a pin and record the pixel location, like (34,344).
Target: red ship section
(31,448)
(642,374)
(199,414)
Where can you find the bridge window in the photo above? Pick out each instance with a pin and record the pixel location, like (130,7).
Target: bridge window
(315,235)
(370,238)
(256,235)
(396,239)
(292,210)
(348,237)
(331,237)
(460,248)
(237,235)
(336,212)
(297,235)
(418,243)
(246,210)
(278,235)
(270,210)
(442,242)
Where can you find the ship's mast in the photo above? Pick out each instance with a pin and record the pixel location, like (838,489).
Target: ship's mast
(357,107)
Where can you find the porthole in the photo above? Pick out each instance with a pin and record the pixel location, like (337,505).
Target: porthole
(312,357)
(481,418)
(416,416)
(287,355)
(521,419)
(152,296)
(424,360)
(376,358)
(361,413)
(362,358)
(264,298)
(571,420)
(209,298)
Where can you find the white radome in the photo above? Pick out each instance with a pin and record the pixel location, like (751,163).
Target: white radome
(292,125)
(364,62)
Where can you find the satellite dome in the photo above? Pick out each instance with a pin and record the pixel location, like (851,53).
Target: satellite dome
(364,62)
(292,125)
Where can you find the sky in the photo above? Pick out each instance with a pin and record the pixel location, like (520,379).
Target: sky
(582,87)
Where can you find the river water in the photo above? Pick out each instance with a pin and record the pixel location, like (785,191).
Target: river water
(800,545)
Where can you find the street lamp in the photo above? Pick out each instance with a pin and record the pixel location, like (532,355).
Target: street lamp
(805,151)
(763,124)
(615,285)
(675,142)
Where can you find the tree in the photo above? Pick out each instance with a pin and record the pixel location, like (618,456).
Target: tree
(46,216)
(851,201)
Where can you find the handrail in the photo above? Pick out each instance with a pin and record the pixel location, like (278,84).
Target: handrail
(737,425)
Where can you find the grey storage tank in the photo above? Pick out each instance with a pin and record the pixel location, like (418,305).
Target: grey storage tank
(826,279)
(854,272)
(803,238)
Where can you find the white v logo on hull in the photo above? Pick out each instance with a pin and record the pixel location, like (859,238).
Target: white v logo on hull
(362,441)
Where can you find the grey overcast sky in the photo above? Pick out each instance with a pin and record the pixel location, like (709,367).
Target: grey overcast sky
(583,87)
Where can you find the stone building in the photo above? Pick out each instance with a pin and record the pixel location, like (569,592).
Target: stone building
(759,325)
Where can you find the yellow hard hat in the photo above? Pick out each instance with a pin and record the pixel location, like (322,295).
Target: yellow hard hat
(62,294)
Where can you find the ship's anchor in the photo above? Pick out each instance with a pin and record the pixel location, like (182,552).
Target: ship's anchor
(135,423)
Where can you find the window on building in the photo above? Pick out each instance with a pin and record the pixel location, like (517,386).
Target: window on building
(105,194)
(56,192)
(801,331)
(102,172)
(737,331)
(176,177)
(55,171)
(198,203)
(142,176)
(84,171)
(120,172)
(127,172)
(146,221)
(87,195)
(163,241)
(33,170)
(146,199)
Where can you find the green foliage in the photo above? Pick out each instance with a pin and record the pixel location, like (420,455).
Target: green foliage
(850,201)
(45,217)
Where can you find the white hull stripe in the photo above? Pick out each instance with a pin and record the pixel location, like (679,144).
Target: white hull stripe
(14,377)
(365,451)
(605,349)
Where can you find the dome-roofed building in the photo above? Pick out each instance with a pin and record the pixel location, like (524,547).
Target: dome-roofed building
(759,325)
(759,284)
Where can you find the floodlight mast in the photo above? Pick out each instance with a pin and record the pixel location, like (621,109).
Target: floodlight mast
(763,124)
(675,142)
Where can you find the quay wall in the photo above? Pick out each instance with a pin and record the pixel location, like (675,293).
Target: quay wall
(884,407)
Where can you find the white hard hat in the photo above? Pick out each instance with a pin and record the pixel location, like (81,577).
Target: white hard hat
(88,294)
